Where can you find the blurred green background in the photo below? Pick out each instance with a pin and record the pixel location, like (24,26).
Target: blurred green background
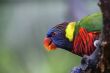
(23,25)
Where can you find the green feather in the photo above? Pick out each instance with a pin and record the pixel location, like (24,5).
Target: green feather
(92,22)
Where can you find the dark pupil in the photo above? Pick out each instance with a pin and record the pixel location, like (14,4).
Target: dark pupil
(53,33)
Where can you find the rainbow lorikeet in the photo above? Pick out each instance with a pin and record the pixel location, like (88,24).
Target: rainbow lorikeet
(76,37)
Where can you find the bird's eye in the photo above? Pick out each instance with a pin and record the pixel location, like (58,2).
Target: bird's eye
(53,33)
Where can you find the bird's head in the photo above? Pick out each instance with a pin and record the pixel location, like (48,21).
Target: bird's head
(60,36)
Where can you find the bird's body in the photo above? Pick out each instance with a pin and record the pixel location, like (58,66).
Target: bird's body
(76,37)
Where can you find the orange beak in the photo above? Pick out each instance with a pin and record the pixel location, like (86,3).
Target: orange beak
(48,44)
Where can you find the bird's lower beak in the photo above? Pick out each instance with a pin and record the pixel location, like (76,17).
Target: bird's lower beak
(48,44)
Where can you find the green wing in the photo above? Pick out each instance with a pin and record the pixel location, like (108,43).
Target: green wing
(92,22)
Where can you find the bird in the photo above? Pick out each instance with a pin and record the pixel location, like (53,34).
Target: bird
(77,37)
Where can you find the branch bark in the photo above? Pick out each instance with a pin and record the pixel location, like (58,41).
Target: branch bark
(105,37)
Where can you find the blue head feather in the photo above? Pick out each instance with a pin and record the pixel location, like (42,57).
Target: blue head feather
(57,35)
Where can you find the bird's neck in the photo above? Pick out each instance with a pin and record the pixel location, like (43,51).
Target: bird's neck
(70,30)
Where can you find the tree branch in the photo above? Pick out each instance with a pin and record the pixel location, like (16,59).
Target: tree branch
(105,37)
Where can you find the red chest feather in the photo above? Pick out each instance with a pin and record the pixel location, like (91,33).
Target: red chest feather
(83,43)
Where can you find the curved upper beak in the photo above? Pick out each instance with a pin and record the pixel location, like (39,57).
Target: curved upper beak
(48,44)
